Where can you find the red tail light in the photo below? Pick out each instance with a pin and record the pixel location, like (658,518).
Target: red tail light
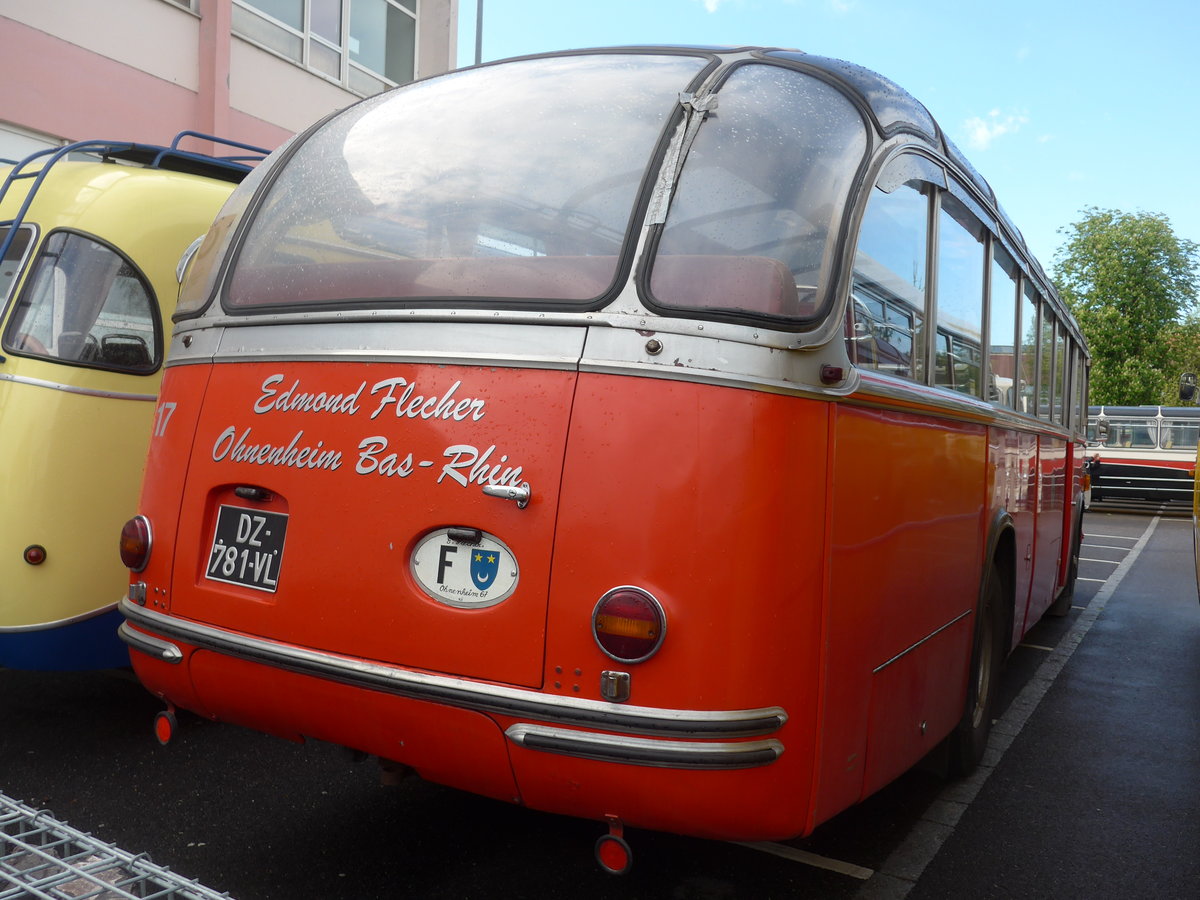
(629,624)
(135,543)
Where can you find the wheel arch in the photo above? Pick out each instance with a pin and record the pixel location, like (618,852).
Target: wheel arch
(1000,553)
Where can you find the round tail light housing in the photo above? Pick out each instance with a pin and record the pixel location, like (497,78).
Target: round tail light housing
(629,624)
(135,543)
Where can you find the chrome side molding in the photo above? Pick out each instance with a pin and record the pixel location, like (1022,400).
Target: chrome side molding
(460,692)
(647,751)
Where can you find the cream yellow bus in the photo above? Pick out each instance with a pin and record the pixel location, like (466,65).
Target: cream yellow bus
(90,238)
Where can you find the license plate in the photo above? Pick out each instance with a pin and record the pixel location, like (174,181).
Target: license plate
(247,548)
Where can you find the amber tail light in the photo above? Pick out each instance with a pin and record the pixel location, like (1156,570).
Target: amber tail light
(629,624)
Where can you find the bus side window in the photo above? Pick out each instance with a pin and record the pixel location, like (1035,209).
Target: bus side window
(879,335)
(961,254)
(1027,365)
(1060,374)
(1002,352)
(86,304)
(890,261)
(1179,434)
(1143,436)
(1045,363)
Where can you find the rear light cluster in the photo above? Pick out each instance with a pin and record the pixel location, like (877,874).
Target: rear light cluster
(629,624)
(135,543)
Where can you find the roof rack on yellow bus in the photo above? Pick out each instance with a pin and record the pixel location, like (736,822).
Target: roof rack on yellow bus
(233,167)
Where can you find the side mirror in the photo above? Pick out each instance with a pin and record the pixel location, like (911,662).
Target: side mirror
(1187,387)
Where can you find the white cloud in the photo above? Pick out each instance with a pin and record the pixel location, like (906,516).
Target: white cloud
(982,130)
(711,5)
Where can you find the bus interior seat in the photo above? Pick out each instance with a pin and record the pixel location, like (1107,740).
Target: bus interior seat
(518,277)
(126,351)
(76,346)
(756,284)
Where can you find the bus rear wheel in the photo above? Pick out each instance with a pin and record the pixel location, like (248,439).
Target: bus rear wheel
(968,741)
(1062,604)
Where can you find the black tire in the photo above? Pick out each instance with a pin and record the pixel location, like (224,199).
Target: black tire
(967,743)
(1062,604)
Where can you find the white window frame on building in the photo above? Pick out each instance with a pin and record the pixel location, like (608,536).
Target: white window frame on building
(16,142)
(366,46)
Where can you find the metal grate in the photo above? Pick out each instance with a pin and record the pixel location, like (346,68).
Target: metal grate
(41,857)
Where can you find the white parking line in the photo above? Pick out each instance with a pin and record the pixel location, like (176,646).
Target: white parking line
(1096,580)
(899,873)
(809,859)
(1111,562)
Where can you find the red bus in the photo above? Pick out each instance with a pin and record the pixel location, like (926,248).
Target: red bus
(672,437)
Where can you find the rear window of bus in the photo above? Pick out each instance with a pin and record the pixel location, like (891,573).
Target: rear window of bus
(516,184)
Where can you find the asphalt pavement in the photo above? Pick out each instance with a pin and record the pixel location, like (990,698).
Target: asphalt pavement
(1098,796)
(1089,789)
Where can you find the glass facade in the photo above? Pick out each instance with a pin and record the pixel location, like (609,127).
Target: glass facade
(364,45)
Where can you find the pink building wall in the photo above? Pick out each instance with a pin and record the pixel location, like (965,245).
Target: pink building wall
(72,93)
(145,70)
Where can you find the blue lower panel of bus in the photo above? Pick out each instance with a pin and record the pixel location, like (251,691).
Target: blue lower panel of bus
(86,644)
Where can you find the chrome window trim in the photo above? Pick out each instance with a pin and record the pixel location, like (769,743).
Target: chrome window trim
(460,692)
(592,344)
(75,389)
(894,393)
(645,751)
(581,343)
(19,265)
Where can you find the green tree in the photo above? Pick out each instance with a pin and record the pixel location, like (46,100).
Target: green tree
(1183,348)
(1130,280)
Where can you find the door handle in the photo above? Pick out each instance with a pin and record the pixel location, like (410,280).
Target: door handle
(518,492)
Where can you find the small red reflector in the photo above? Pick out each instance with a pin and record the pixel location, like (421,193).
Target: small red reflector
(628,624)
(135,543)
(164,726)
(35,554)
(613,854)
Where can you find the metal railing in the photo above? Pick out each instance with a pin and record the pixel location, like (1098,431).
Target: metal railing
(231,167)
(41,857)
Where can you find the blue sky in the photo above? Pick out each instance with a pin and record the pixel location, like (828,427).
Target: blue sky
(1060,104)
